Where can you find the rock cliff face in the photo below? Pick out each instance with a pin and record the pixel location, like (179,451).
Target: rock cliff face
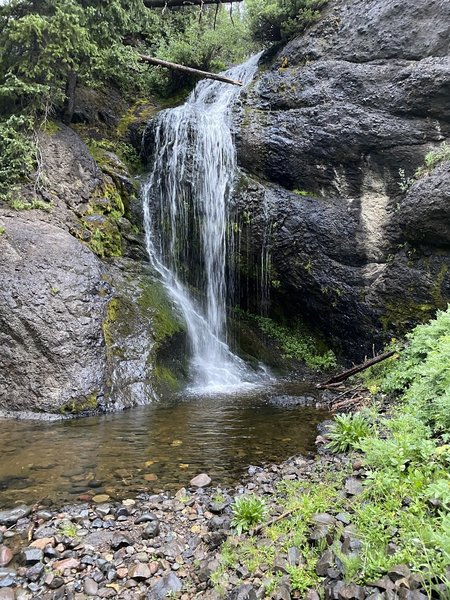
(331,135)
(79,334)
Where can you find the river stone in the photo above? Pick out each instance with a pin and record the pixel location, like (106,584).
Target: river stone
(90,586)
(7,594)
(139,571)
(11,516)
(353,486)
(201,480)
(66,563)
(145,518)
(32,555)
(151,530)
(243,592)
(6,556)
(351,591)
(169,583)
(100,498)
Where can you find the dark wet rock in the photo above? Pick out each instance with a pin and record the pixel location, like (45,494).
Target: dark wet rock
(162,588)
(325,562)
(11,516)
(243,592)
(324,131)
(119,540)
(351,591)
(399,572)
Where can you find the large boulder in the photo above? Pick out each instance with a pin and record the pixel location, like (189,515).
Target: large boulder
(331,135)
(84,325)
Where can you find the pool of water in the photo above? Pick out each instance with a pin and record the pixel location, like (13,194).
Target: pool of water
(160,446)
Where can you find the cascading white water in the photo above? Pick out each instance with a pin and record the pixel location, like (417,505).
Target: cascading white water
(185,215)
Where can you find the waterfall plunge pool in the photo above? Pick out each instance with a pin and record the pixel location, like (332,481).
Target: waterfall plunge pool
(157,447)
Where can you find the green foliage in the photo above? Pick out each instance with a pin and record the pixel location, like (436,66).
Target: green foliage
(2,230)
(274,20)
(421,374)
(17,155)
(433,158)
(248,511)
(68,529)
(298,344)
(347,432)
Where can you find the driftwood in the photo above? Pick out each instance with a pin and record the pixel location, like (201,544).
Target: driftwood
(176,67)
(176,3)
(336,380)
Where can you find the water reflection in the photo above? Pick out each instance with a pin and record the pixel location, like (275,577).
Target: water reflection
(160,446)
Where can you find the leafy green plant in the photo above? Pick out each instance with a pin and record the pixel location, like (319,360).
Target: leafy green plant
(347,432)
(68,529)
(2,230)
(433,158)
(248,511)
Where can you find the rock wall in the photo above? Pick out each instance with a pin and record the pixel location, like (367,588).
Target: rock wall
(82,319)
(330,133)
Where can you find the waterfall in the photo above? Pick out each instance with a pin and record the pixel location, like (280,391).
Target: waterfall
(185,201)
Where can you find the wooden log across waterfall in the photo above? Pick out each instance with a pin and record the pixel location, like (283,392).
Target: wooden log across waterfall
(197,72)
(176,3)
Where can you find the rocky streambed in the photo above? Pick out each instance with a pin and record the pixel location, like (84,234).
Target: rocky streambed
(169,545)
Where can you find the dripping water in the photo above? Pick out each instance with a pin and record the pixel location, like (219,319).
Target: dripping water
(185,200)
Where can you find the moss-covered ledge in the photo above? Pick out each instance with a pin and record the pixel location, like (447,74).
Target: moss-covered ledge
(144,338)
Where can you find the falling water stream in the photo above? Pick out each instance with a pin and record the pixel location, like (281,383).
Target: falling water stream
(185,201)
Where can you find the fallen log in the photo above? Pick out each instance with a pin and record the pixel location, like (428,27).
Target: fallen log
(176,3)
(196,72)
(357,369)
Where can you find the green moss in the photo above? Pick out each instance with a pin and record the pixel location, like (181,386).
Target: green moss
(74,408)
(165,379)
(400,314)
(436,290)
(140,112)
(19,204)
(153,301)
(2,230)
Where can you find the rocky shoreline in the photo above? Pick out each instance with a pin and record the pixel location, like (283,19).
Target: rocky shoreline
(168,546)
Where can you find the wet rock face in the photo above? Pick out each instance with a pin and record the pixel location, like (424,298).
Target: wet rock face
(335,117)
(77,334)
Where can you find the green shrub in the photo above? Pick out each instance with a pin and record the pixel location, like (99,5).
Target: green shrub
(274,20)
(347,432)
(17,155)
(248,511)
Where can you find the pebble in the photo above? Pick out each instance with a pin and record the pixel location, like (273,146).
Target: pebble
(6,556)
(201,480)
(90,586)
(100,498)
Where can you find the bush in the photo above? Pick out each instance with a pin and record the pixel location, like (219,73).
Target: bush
(248,511)
(275,20)
(17,155)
